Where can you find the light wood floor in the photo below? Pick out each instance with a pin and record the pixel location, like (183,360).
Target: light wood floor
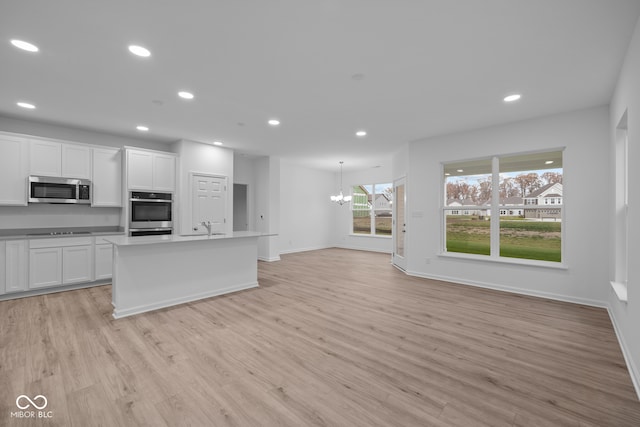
(331,338)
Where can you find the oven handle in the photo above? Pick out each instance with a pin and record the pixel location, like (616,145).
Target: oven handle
(151,229)
(150,200)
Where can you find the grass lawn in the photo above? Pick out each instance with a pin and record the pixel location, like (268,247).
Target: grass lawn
(518,239)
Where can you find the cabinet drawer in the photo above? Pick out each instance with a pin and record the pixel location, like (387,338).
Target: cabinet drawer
(57,242)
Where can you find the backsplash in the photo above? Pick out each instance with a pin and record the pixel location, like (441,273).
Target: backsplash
(49,215)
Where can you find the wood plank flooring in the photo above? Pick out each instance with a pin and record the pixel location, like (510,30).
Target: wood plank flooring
(331,338)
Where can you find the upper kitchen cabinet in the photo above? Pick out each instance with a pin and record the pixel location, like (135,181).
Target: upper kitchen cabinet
(14,170)
(51,158)
(46,158)
(164,172)
(76,161)
(107,177)
(151,170)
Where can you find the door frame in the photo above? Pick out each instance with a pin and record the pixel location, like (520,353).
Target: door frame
(397,260)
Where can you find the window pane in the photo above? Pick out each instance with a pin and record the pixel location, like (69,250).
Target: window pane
(360,205)
(531,206)
(468,206)
(382,208)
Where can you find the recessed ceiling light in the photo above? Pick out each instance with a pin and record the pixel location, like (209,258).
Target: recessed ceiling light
(548,162)
(139,50)
(21,44)
(459,170)
(25,105)
(218,143)
(447,174)
(361,133)
(512,98)
(142,128)
(185,95)
(274,122)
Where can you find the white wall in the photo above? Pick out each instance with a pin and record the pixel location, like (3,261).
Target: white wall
(46,215)
(267,207)
(343,216)
(585,135)
(626,316)
(305,208)
(195,157)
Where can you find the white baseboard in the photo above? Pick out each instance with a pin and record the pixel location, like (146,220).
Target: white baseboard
(270,259)
(118,314)
(529,292)
(314,248)
(631,366)
(359,248)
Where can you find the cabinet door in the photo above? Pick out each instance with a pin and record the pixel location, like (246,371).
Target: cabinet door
(14,170)
(164,172)
(76,161)
(45,267)
(104,261)
(77,262)
(15,266)
(46,158)
(107,177)
(139,170)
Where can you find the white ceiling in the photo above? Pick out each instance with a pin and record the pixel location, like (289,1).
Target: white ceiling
(430,67)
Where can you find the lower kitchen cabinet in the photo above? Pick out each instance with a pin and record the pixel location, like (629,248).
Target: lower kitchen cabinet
(77,262)
(45,267)
(104,261)
(14,268)
(60,261)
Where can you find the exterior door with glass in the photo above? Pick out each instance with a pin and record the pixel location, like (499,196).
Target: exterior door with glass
(399,223)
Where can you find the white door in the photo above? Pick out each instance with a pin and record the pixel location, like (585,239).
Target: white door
(208,202)
(399,223)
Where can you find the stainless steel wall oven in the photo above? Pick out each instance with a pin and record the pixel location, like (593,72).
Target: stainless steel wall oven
(150,213)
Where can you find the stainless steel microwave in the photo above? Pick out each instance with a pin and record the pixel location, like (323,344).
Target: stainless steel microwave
(50,189)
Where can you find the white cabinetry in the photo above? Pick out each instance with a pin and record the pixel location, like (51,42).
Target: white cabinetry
(164,172)
(14,170)
(14,266)
(149,170)
(76,161)
(103,259)
(77,262)
(51,158)
(107,177)
(45,267)
(57,261)
(46,158)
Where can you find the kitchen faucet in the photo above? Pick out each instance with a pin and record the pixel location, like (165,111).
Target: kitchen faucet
(207,224)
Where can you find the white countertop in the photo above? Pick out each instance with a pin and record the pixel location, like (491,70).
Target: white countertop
(175,238)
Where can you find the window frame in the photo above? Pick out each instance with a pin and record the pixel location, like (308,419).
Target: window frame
(494,255)
(372,212)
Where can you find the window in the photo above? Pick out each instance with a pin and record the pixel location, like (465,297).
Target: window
(509,222)
(621,210)
(372,206)
(468,184)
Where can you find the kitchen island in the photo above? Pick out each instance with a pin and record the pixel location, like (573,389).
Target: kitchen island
(152,272)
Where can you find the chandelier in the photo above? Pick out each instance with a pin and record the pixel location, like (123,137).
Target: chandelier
(341,199)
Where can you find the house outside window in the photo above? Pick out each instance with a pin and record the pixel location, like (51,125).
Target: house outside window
(371,206)
(506,223)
